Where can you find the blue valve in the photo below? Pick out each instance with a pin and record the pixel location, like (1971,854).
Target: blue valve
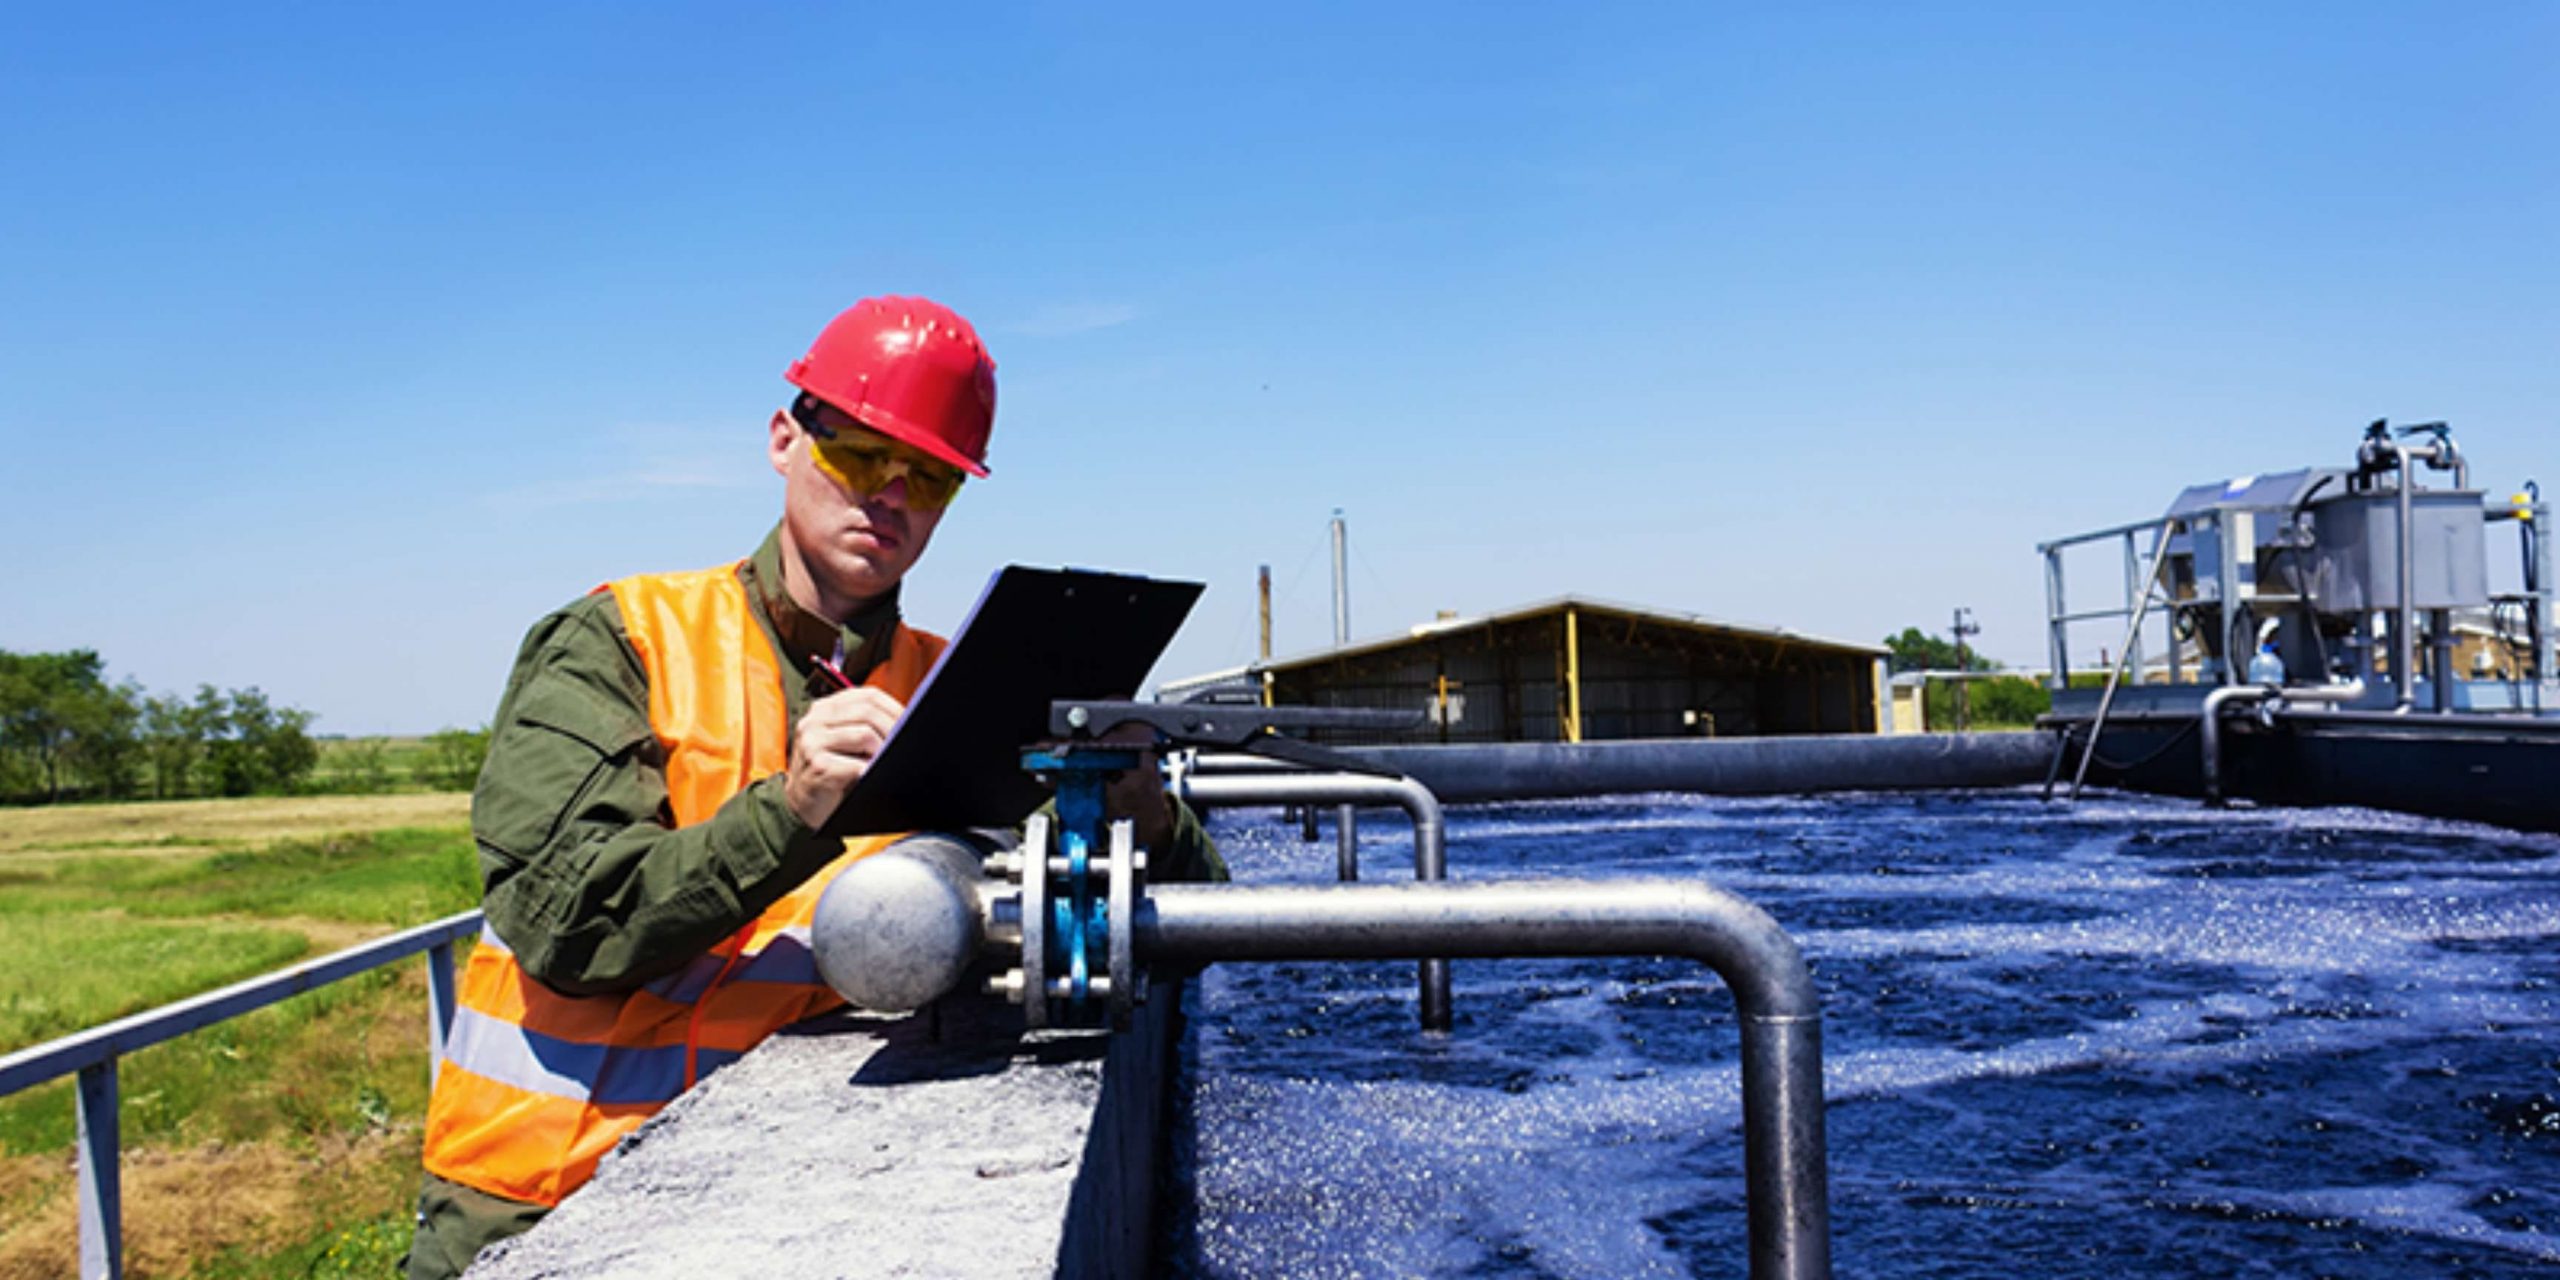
(1079,919)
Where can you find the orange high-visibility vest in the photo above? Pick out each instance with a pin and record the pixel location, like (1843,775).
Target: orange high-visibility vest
(536,1086)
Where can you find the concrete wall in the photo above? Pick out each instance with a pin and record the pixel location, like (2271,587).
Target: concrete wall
(943,1144)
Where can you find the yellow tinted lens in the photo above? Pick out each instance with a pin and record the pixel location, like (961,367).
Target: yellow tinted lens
(867,469)
(859,470)
(932,486)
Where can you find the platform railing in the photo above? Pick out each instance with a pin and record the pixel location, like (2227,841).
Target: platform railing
(92,1054)
(2137,587)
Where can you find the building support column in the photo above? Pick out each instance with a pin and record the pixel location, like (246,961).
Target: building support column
(1572,674)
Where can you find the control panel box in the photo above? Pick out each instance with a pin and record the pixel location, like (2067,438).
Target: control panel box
(2355,559)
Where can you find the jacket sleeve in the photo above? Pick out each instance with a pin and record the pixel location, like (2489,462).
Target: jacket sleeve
(586,876)
(1194,856)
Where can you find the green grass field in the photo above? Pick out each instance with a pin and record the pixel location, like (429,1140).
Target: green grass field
(281,1143)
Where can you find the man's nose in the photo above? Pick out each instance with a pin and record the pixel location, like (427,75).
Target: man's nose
(894,492)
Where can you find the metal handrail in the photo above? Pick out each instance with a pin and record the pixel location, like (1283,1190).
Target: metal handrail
(93,1053)
(2115,531)
(2115,674)
(2138,599)
(1430,837)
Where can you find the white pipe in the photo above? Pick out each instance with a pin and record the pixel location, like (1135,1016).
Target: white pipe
(2209,730)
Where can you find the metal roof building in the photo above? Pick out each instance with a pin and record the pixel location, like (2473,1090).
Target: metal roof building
(1575,669)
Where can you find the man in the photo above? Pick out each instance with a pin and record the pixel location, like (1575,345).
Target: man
(665,754)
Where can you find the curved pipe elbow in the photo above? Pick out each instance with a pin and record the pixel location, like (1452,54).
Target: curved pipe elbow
(1752,953)
(1183,924)
(2209,731)
(1226,790)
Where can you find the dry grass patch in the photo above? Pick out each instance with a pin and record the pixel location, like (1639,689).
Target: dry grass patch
(166,827)
(185,1206)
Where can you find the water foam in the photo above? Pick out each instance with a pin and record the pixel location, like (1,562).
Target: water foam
(2265,1040)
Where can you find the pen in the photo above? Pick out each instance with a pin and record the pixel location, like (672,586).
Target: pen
(836,672)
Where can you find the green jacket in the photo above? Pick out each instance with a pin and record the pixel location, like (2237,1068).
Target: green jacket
(586,876)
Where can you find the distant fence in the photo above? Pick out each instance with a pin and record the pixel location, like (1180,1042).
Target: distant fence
(93,1053)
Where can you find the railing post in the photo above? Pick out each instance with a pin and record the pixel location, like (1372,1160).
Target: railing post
(439,1004)
(2055,628)
(101,1193)
(2132,570)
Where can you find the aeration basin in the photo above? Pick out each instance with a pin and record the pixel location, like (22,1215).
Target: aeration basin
(2132,1037)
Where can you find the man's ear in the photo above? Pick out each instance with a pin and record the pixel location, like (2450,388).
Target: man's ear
(777,445)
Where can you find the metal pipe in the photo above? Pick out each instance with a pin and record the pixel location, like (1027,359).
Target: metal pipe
(2209,732)
(1430,835)
(2404,629)
(2440,657)
(1469,772)
(2209,728)
(2546,590)
(1783,1148)
(1181,763)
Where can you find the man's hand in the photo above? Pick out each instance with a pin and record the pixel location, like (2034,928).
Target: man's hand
(831,748)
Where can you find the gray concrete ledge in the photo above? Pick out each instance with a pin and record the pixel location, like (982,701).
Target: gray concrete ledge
(854,1146)
(1723,766)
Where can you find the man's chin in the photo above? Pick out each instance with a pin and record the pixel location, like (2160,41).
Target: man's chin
(865,572)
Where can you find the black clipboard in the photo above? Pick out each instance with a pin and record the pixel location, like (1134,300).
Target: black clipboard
(953,761)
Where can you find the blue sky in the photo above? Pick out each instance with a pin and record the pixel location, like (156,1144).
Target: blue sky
(343,341)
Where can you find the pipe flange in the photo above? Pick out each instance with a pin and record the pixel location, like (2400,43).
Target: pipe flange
(1035,921)
(1119,910)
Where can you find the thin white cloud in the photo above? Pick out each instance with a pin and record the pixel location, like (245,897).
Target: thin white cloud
(655,461)
(627,486)
(1063,319)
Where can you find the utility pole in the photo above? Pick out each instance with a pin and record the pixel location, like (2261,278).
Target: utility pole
(1341,583)
(1263,592)
(1964,626)
(1346,819)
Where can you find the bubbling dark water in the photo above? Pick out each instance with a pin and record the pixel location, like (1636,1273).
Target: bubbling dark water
(2128,1038)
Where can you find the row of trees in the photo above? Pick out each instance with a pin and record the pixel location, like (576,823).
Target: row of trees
(66,732)
(1999,700)
(451,762)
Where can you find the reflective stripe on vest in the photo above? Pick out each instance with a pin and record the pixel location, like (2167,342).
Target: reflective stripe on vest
(536,1086)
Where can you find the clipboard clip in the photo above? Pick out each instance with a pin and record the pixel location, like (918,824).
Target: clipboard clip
(1257,731)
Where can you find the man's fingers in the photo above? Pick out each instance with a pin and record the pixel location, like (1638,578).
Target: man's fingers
(860,739)
(856,706)
(833,746)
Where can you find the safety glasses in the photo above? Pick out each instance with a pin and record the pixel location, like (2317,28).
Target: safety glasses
(865,462)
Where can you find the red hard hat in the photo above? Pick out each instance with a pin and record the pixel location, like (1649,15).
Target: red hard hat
(910,369)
